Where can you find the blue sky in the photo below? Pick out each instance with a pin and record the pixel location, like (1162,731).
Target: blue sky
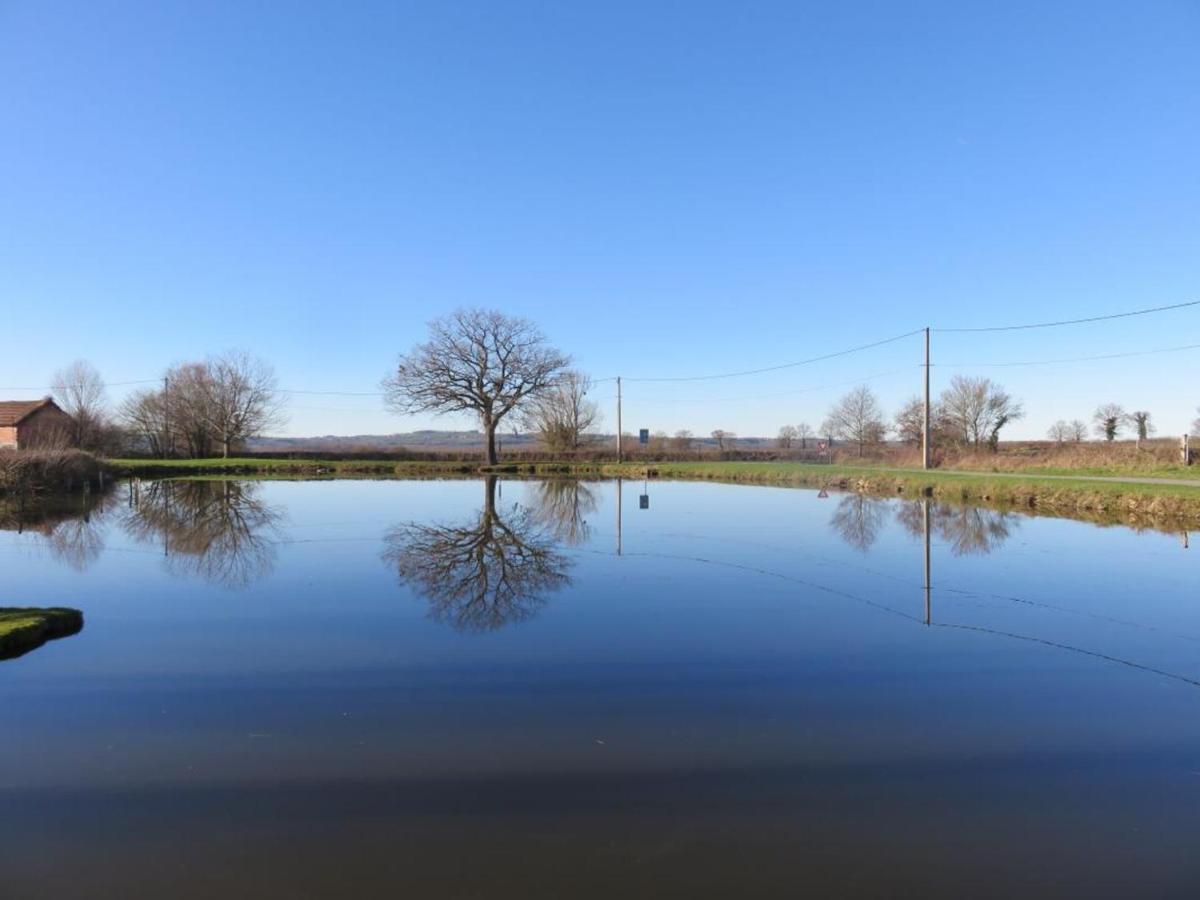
(667,189)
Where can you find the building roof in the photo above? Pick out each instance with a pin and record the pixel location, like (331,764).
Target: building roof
(13,412)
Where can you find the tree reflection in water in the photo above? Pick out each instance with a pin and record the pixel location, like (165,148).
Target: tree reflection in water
(485,573)
(859,519)
(220,531)
(562,506)
(969,530)
(71,526)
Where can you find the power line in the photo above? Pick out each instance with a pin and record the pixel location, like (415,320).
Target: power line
(335,393)
(1073,359)
(791,365)
(1123,315)
(806,390)
(107,384)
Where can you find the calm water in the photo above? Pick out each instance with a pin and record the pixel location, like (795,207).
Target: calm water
(456,689)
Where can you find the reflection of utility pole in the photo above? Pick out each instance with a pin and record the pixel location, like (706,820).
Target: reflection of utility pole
(618,517)
(928,599)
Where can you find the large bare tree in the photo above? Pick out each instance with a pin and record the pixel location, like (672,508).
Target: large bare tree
(857,418)
(975,409)
(241,398)
(206,406)
(787,437)
(80,391)
(476,361)
(563,414)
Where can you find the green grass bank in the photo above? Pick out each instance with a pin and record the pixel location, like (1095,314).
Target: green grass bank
(22,630)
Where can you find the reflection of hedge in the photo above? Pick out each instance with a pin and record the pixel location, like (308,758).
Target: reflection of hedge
(22,630)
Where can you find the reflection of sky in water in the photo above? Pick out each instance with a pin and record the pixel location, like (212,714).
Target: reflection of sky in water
(742,629)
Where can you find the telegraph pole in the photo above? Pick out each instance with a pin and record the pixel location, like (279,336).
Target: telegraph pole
(166,414)
(618,418)
(925,455)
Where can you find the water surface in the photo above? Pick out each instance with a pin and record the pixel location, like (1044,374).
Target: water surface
(554,688)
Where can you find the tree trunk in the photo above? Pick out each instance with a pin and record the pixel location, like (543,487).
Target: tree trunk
(492,458)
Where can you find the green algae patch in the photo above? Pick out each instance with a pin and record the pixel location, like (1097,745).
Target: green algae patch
(25,629)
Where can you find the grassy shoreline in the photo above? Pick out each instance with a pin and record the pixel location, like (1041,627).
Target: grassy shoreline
(1077,494)
(24,629)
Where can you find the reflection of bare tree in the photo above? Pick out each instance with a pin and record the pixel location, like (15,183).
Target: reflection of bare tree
(969,530)
(562,506)
(484,574)
(858,519)
(70,524)
(220,531)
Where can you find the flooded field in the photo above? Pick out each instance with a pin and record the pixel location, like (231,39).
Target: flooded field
(562,689)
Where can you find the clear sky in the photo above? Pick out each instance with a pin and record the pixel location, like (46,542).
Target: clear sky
(666,188)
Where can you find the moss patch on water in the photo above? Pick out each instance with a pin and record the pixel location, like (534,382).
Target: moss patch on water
(25,629)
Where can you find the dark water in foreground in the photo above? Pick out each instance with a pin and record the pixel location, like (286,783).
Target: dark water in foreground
(419,689)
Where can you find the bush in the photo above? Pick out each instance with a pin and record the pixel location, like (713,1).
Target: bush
(28,471)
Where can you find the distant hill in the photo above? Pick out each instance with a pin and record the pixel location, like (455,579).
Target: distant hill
(442,440)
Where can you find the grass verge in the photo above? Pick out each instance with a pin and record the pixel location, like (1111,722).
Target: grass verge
(22,630)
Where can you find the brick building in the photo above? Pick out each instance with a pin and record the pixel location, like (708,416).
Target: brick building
(29,424)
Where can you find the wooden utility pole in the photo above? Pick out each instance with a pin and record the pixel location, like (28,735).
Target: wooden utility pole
(925,454)
(618,418)
(166,414)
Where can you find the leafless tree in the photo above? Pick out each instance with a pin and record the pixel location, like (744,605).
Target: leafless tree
(1140,419)
(242,400)
(682,441)
(804,432)
(141,415)
(562,415)
(976,409)
(787,436)
(204,406)
(475,361)
(857,418)
(79,390)
(1079,431)
(723,438)
(910,421)
(1110,418)
(1060,432)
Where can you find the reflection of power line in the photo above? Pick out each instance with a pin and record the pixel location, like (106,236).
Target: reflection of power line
(928,590)
(1060,646)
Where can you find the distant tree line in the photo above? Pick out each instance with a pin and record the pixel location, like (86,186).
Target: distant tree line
(501,369)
